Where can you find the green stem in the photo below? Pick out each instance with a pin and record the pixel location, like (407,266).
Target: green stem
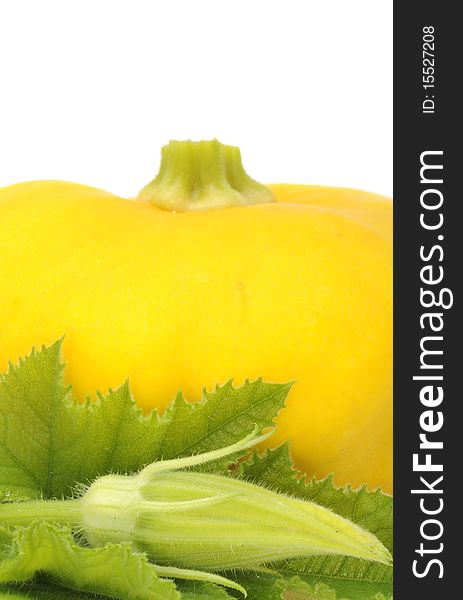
(64,512)
(200,176)
(175,573)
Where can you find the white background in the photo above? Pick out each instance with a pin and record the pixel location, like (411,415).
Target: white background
(91,89)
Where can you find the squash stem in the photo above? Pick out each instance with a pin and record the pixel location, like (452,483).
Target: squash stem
(201,176)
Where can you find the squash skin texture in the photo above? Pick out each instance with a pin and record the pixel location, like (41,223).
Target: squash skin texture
(300,289)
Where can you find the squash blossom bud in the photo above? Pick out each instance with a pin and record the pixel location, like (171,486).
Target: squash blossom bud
(194,520)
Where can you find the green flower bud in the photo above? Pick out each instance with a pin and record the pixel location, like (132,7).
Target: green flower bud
(191,524)
(200,521)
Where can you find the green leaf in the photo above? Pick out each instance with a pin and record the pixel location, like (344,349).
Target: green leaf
(11,594)
(221,418)
(32,400)
(266,587)
(113,571)
(43,591)
(5,539)
(350,578)
(261,586)
(296,589)
(49,442)
(194,590)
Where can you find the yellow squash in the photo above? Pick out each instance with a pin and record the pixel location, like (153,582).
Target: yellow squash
(206,276)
